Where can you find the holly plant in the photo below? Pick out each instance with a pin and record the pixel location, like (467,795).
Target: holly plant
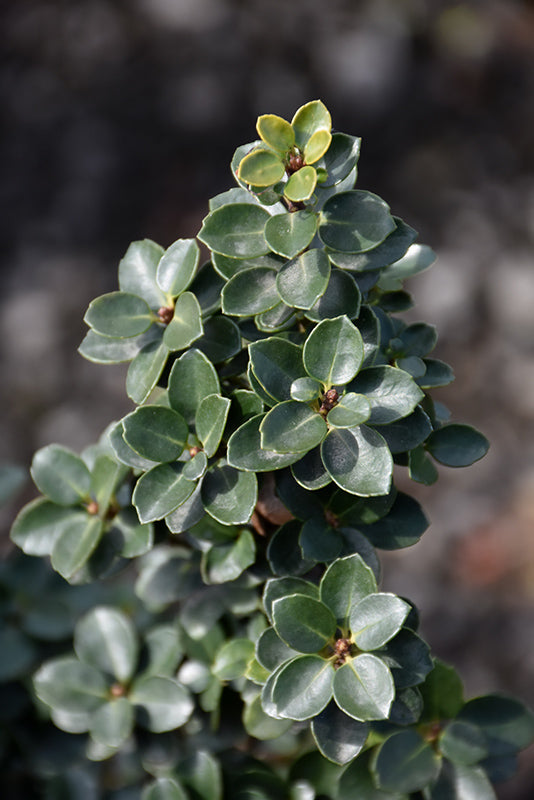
(247,649)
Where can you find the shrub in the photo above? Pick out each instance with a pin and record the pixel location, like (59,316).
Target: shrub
(229,636)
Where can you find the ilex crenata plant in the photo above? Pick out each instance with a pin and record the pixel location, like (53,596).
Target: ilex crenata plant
(248,650)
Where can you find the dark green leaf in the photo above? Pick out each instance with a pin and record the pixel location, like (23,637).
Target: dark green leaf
(442,693)
(408,658)
(376,618)
(342,296)
(418,257)
(390,250)
(303,623)
(156,432)
(245,451)
(271,651)
(164,650)
(38,525)
(229,495)
(405,762)
(19,654)
(402,527)
(355,221)
(406,433)
(206,287)
(196,466)
(340,158)
(177,266)
(421,467)
(137,272)
(292,427)
(457,445)
(61,475)
(210,420)
(284,553)
(124,452)
(306,390)
(363,688)
(75,543)
(226,562)
(309,471)
(276,363)
(167,574)
(460,782)
(236,230)
(303,687)
(201,773)
(186,325)
(463,743)
(192,378)
(67,685)
(160,491)
(358,460)
(358,782)
(106,477)
(393,394)
(109,350)
(507,725)
(221,339)
(187,514)
(250,292)
(289,234)
(278,318)
(350,411)
(344,584)
(319,541)
(119,314)
(339,737)
(227,267)
(105,638)
(302,281)
(145,370)
(437,373)
(275,588)
(333,351)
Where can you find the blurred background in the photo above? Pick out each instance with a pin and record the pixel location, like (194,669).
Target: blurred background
(120,120)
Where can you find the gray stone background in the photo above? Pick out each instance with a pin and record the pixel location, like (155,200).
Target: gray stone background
(120,119)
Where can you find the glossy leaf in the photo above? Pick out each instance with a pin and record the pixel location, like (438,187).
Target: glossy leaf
(437,373)
(67,685)
(109,350)
(221,339)
(340,158)
(408,658)
(187,514)
(160,491)
(236,230)
(61,475)
(333,351)
(261,167)
(310,472)
(271,651)
(38,525)
(119,314)
(341,296)
(306,390)
(358,460)
(350,411)
(317,145)
(309,118)
(276,363)
(227,562)
(338,737)
(250,292)
(320,541)
(275,132)
(406,433)
(376,618)
(210,421)
(192,378)
(75,544)
(245,450)
(124,452)
(284,553)
(290,233)
(292,427)
(232,659)
(112,723)
(177,266)
(303,687)
(105,638)
(301,184)
(186,325)
(355,221)
(156,433)
(363,688)
(163,703)
(390,250)
(145,370)
(346,581)
(391,392)
(457,445)
(405,762)
(275,588)
(303,280)
(418,257)
(303,623)
(463,743)
(137,272)
(229,495)
(402,527)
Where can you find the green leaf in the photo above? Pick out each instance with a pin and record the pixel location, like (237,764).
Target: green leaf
(355,221)
(316,146)
(406,433)
(301,184)
(292,427)
(303,623)
(463,743)
(38,525)
(342,296)
(163,703)
(457,445)
(106,477)
(233,659)
(301,281)
(346,581)
(105,638)
(339,737)
(319,541)
(210,421)
(236,230)
(442,693)
(322,774)
(290,233)
(276,132)
(275,588)
(113,722)
(221,339)
(351,411)
(196,466)
(309,118)
(250,292)
(402,527)
(303,687)
(137,272)
(246,452)
(228,267)
(206,287)
(437,373)
(278,318)
(333,351)
(156,432)
(186,325)
(119,314)
(164,789)
(271,651)
(340,158)
(507,725)
(164,650)
(309,471)
(66,685)
(276,363)
(160,491)
(358,781)
(177,266)
(421,467)
(284,553)
(229,495)
(145,370)
(124,452)
(260,725)
(405,762)
(306,390)
(358,460)
(108,350)
(226,562)
(61,475)
(261,167)
(363,688)
(376,618)
(75,543)
(201,773)
(390,250)
(187,514)
(393,394)
(192,378)
(418,257)
(408,658)
(167,574)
